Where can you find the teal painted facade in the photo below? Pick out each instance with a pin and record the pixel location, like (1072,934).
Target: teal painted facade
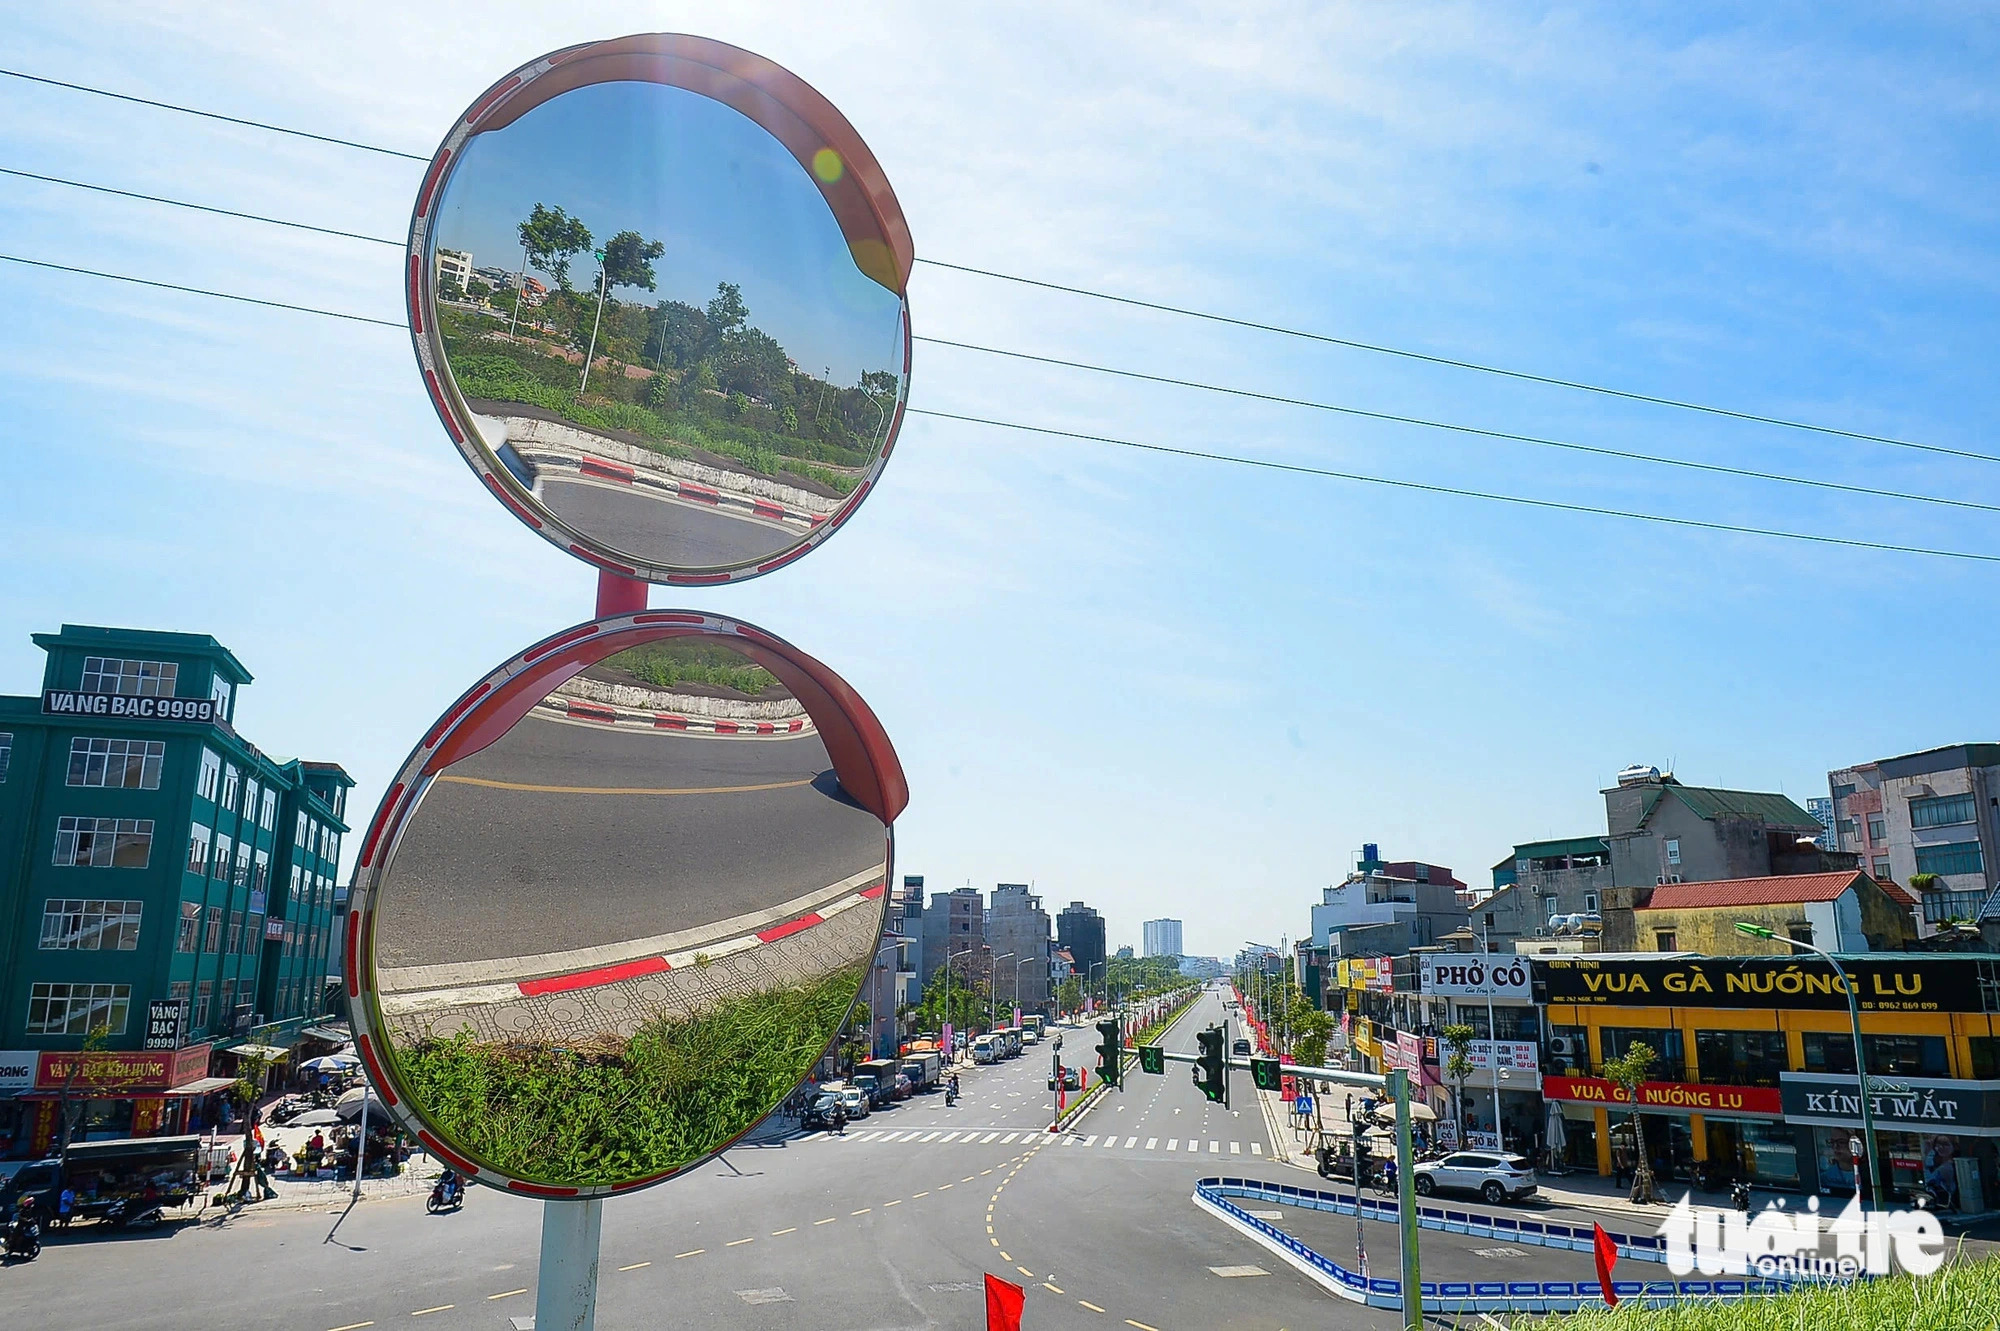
(146,858)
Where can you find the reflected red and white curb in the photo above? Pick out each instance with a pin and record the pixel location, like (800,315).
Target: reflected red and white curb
(606,714)
(587,467)
(690,953)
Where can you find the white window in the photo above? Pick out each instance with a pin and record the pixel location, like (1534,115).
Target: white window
(223,849)
(241,876)
(90,925)
(269,818)
(123,764)
(6,753)
(143,679)
(230,781)
(190,925)
(1673,850)
(77,1009)
(299,832)
(104,843)
(250,799)
(260,878)
(198,841)
(219,690)
(211,773)
(332,846)
(1590,901)
(203,992)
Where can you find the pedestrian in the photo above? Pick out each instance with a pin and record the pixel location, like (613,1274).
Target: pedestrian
(65,1207)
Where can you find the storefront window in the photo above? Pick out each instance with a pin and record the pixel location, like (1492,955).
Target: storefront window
(1985,1057)
(1513,1023)
(1665,1042)
(1833,1160)
(1740,1058)
(1888,1055)
(1580,1143)
(1761,1151)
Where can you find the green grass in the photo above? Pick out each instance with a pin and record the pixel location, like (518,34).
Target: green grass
(1960,1297)
(693,661)
(672,1093)
(518,372)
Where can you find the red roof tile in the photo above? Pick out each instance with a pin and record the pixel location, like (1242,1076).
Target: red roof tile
(1783,889)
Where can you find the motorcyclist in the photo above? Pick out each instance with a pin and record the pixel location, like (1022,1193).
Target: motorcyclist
(22,1235)
(951,1090)
(451,1183)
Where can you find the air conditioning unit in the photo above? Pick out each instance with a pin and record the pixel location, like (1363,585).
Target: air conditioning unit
(1562,1046)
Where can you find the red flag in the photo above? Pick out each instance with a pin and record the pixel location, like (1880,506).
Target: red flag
(1607,1256)
(1003,1304)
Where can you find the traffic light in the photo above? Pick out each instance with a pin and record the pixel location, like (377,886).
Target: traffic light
(1264,1074)
(1108,1051)
(1209,1074)
(1152,1059)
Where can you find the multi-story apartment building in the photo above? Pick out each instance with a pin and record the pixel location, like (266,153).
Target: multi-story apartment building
(1930,820)
(167,886)
(1016,924)
(1080,931)
(1160,938)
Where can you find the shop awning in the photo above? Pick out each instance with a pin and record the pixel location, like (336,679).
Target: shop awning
(203,1086)
(247,1050)
(331,1034)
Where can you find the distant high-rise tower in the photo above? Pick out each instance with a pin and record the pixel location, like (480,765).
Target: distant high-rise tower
(1080,932)
(1160,938)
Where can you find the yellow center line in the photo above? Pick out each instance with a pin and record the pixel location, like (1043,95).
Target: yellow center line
(1004,1257)
(1088,1304)
(635,1266)
(863,1211)
(442,1307)
(737,1243)
(943,1186)
(897,1202)
(696,1252)
(353,1326)
(776,1233)
(1141,1325)
(623,790)
(508,1294)
(1050,1288)
(1025,1271)
(921,1194)
(968,1178)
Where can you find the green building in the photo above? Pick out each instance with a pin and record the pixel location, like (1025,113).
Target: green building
(162,880)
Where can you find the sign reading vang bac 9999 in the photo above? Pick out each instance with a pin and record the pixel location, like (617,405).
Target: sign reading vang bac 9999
(129,707)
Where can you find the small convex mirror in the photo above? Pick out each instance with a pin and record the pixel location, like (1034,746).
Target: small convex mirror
(657,288)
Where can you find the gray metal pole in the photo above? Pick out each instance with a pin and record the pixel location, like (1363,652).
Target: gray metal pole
(1406,1203)
(1861,1083)
(566,1286)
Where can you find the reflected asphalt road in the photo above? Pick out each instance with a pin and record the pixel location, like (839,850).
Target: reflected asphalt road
(595,855)
(661,530)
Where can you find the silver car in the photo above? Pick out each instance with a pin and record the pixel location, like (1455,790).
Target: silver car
(1495,1177)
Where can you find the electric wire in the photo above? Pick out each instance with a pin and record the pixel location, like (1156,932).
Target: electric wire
(1329,473)
(1265,464)
(215,115)
(1678,404)
(1391,417)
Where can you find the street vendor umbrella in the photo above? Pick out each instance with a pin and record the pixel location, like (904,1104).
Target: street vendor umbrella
(316,1118)
(350,1104)
(1422,1112)
(1557,1134)
(331,1063)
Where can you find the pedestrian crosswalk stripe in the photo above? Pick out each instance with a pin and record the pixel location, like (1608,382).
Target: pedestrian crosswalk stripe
(1173,1142)
(927,1138)
(1110,1142)
(1008,1139)
(1215,1148)
(1151,1142)
(1256,1149)
(941,1140)
(1236,1148)
(870,1136)
(1129,1142)
(990,1136)
(1091,1140)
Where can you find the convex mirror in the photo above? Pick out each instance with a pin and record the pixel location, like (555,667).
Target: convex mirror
(657,292)
(619,900)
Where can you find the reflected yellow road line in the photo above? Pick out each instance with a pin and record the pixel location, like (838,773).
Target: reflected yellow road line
(623,790)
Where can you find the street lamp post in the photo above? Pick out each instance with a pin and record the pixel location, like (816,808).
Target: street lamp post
(1860,1055)
(993,989)
(1089,980)
(1024,961)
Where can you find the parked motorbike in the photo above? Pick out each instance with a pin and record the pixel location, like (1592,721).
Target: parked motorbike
(137,1215)
(1924,1197)
(1739,1195)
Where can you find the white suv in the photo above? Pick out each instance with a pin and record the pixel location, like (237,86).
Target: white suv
(1496,1178)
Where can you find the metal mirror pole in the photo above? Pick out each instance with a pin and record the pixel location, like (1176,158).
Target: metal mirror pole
(1406,1203)
(566,1288)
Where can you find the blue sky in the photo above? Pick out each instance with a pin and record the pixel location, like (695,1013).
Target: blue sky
(1163,686)
(725,198)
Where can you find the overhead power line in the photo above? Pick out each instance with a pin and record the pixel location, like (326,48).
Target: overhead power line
(213,115)
(1327,473)
(1454,427)
(1182,311)
(1233,459)
(1629,455)
(199,207)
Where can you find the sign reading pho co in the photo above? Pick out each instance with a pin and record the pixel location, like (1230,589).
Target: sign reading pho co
(73,702)
(1491,976)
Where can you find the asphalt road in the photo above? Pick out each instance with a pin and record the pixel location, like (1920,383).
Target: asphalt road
(661,530)
(597,835)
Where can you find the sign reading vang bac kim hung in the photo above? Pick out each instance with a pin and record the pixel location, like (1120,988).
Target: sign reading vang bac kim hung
(1882,984)
(127,707)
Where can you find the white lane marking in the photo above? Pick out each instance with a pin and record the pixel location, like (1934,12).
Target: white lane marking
(1091,1140)
(1110,1141)
(1215,1148)
(1130,1142)
(1006,1140)
(1255,1149)
(1236,1148)
(941,1140)
(926,1138)
(989,1137)
(1173,1143)
(1152,1142)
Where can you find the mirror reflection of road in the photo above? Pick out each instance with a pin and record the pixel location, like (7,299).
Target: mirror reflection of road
(661,530)
(569,834)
